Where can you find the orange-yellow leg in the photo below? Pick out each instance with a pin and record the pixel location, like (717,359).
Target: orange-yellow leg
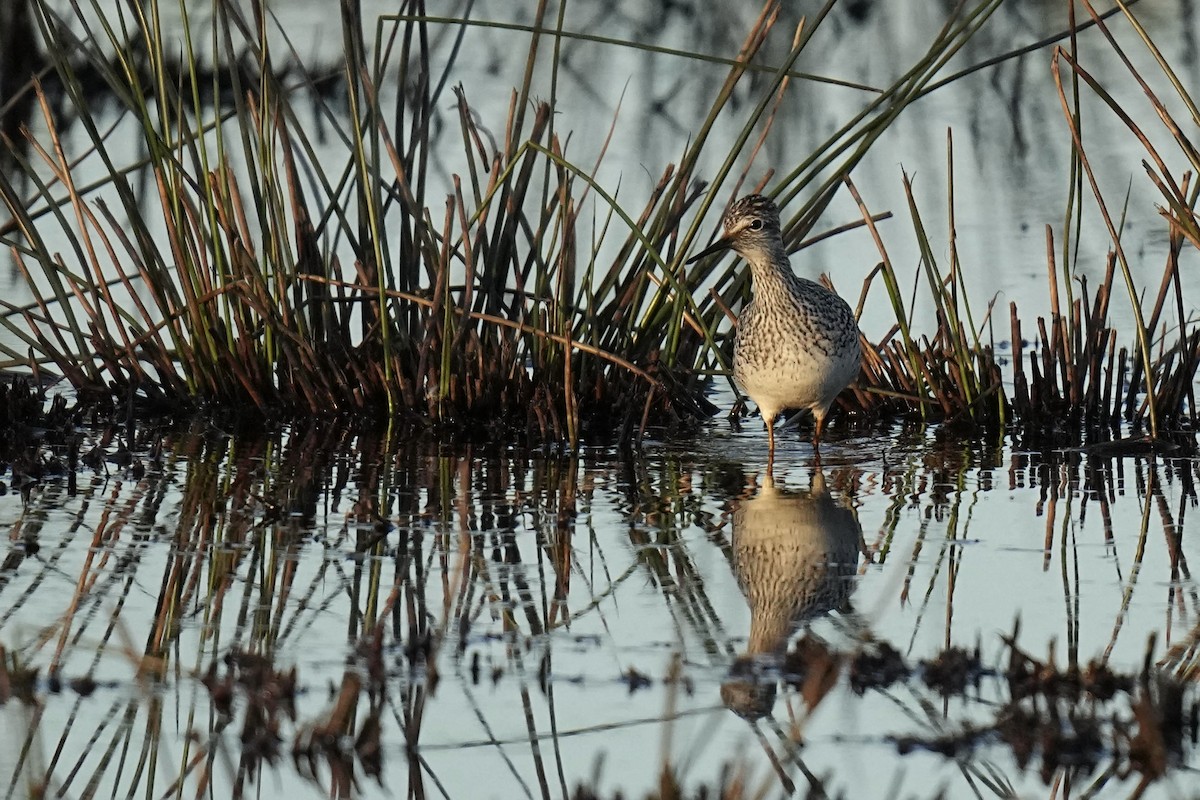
(818,429)
(770,421)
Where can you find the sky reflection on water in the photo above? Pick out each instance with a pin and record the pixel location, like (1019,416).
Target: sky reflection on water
(552,595)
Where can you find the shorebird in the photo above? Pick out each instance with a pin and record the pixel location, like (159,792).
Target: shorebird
(797,342)
(795,556)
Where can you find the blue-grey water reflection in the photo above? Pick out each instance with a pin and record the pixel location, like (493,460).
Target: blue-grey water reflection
(795,554)
(532,620)
(519,615)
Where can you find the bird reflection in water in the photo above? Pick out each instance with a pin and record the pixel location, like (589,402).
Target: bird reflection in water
(795,555)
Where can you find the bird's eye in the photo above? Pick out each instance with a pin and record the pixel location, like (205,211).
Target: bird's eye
(756,224)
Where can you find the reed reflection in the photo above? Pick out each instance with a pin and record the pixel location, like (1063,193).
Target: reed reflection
(795,555)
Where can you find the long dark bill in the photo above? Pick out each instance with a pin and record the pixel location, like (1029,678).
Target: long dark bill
(718,246)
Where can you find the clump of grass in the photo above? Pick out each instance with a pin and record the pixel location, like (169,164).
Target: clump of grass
(1073,366)
(222,280)
(1082,373)
(522,297)
(953,377)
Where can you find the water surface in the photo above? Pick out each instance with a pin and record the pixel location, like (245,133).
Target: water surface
(526,620)
(536,619)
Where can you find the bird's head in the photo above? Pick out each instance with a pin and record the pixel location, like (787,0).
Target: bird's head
(751,225)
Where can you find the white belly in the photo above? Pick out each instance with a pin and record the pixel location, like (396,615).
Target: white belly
(782,365)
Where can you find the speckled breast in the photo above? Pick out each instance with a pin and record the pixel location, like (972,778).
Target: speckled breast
(797,352)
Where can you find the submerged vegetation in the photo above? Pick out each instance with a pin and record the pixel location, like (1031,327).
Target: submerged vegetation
(235,265)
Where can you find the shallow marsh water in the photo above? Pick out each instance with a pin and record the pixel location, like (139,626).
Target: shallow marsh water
(545,618)
(582,613)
